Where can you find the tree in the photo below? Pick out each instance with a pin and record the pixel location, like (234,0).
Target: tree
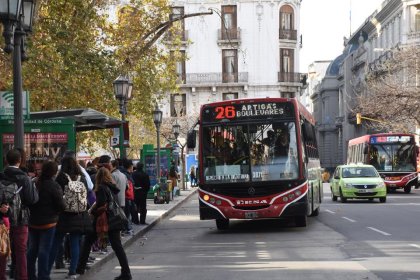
(392,92)
(76,53)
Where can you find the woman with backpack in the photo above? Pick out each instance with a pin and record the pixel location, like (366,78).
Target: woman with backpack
(43,220)
(74,220)
(106,193)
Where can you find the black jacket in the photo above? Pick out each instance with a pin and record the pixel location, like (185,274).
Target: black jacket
(141,182)
(102,194)
(49,205)
(28,194)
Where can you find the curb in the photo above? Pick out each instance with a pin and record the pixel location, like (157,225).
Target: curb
(95,267)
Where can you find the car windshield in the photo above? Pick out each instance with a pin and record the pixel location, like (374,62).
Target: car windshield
(357,172)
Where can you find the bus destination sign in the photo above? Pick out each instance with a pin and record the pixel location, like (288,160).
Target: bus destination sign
(389,139)
(247,111)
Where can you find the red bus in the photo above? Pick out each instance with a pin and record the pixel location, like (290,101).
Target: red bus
(394,155)
(258,159)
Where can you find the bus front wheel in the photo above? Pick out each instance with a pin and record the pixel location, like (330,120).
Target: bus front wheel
(407,189)
(222,224)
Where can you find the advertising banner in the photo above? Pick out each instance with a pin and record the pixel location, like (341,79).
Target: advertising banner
(6,105)
(44,140)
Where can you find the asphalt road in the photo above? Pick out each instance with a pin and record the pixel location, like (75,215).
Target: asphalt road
(356,240)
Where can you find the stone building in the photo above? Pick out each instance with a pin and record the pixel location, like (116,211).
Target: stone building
(396,23)
(246,49)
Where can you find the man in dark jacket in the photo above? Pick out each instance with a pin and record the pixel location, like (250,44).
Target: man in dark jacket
(141,188)
(130,207)
(28,196)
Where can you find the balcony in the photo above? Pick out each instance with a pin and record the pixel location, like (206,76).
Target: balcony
(292,77)
(288,34)
(172,36)
(213,79)
(229,36)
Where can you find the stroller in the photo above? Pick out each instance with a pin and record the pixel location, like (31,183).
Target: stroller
(162,193)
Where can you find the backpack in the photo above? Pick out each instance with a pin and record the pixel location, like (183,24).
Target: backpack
(129,192)
(9,195)
(75,196)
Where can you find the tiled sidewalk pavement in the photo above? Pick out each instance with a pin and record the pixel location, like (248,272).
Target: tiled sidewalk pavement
(155,212)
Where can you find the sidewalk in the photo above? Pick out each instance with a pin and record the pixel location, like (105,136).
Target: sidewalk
(155,213)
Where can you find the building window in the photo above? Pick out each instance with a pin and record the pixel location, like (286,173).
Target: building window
(178,105)
(230,66)
(286,18)
(180,67)
(230,95)
(178,12)
(229,22)
(286,60)
(418,20)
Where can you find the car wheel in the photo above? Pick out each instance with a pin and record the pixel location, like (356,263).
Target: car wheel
(300,221)
(222,224)
(382,199)
(333,197)
(342,198)
(407,189)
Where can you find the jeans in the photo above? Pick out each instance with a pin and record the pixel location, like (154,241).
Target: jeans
(39,247)
(19,238)
(74,250)
(115,240)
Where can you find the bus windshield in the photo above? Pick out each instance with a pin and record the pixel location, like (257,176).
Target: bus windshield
(250,152)
(393,157)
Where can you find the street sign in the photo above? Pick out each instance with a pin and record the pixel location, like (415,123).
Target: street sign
(6,105)
(114,141)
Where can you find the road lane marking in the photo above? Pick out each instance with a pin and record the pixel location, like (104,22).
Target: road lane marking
(329,211)
(379,231)
(415,246)
(348,219)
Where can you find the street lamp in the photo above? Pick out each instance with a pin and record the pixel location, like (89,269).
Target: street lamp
(123,88)
(157,119)
(16,17)
(175,130)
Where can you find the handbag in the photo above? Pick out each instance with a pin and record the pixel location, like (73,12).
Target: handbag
(116,216)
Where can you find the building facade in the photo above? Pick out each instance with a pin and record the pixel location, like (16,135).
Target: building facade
(245,49)
(395,24)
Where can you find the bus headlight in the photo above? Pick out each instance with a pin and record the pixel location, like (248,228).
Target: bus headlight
(349,185)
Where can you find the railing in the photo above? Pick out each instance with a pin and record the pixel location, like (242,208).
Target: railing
(288,34)
(292,77)
(181,78)
(216,78)
(173,35)
(229,34)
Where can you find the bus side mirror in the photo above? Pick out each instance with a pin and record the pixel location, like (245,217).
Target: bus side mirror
(191,139)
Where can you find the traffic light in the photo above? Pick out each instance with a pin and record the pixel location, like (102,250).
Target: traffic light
(358,118)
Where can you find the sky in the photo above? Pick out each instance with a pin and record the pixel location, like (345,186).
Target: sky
(324,23)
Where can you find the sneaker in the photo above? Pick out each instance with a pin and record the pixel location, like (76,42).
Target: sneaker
(71,276)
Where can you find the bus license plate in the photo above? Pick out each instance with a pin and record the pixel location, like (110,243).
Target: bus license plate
(251,215)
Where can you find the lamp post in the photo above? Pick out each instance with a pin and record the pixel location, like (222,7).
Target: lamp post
(157,119)
(175,130)
(16,16)
(123,88)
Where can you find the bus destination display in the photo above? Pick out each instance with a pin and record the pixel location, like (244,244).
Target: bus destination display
(246,111)
(389,139)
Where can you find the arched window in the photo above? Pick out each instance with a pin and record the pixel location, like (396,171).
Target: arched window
(286,18)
